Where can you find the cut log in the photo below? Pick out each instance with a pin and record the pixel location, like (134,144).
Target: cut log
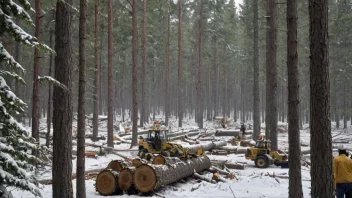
(232,165)
(189,141)
(228,133)
(138,161)
(139,133)
(204,178)
(126,178)
(116,165)
(107,183)
(149,177)
(206,147)
(159,159)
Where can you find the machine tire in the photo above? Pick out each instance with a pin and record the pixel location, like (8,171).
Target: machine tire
(166,153)
(261,161)
(142,152)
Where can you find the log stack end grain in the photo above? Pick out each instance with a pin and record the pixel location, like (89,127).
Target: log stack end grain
(136,162)
(145,178)
(116,165)
(125,179)
(107,182)
(159,159)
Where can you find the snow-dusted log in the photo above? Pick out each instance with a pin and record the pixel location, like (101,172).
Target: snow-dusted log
(149,177)
(107,182)
(126,178)
(222,132)
(233,165)
(139,133)
(206,147)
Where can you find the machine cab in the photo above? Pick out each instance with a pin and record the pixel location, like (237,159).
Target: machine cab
(263,144)
(157,135)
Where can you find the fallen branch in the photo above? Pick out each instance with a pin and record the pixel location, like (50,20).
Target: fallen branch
(74,175)
(204,178)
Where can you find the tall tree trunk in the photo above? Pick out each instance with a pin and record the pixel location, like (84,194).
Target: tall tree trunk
(295,179)
(144,65)
(96,95)
(49,117)
(81,125)
(344,107)
(200,70)
(110,78)
(256,98)
(134,74)
(179,79)
(271,81)
(320,124)
(62,103)
(36,73)
(216,81)
(167,92)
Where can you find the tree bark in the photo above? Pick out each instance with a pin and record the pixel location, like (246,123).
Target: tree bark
(110,77)
(134,74)
(256,98)
(49,115)
(320,123)
(81,125)
(271,81)
(96,95)
(36,73)
(200,70)
(295,179)
(144,65)
(62,103)
(179,79)
(151,177)
(167,92)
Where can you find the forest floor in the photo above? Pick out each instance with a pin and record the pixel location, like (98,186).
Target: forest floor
(252,182)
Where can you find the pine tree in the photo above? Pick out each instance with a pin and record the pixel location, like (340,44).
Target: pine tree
(16,164)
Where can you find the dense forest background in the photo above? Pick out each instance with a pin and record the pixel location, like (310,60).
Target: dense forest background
(227,80)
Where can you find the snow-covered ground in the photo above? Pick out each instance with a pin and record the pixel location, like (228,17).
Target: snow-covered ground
(252,182)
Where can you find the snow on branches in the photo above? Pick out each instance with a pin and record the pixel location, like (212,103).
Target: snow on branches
(17,165)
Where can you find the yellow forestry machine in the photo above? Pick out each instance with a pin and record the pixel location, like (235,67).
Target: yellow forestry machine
(262,155)
(157,142)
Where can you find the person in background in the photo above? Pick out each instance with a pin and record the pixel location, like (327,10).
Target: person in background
(243,129)
(343,174)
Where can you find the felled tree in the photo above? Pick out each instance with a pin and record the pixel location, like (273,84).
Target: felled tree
(16,164)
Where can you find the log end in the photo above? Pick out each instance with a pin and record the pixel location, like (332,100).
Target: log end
(136,162)
(125,179)
(159,160)
(106,183)
(145,178)
(115,165)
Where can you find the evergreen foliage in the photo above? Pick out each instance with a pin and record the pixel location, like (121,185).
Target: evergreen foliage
(16,164)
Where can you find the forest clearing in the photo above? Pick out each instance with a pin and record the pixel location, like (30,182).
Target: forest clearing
(175,98)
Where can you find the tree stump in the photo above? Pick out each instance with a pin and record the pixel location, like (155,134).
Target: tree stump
(116,165)
(107,182)
(149,177)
